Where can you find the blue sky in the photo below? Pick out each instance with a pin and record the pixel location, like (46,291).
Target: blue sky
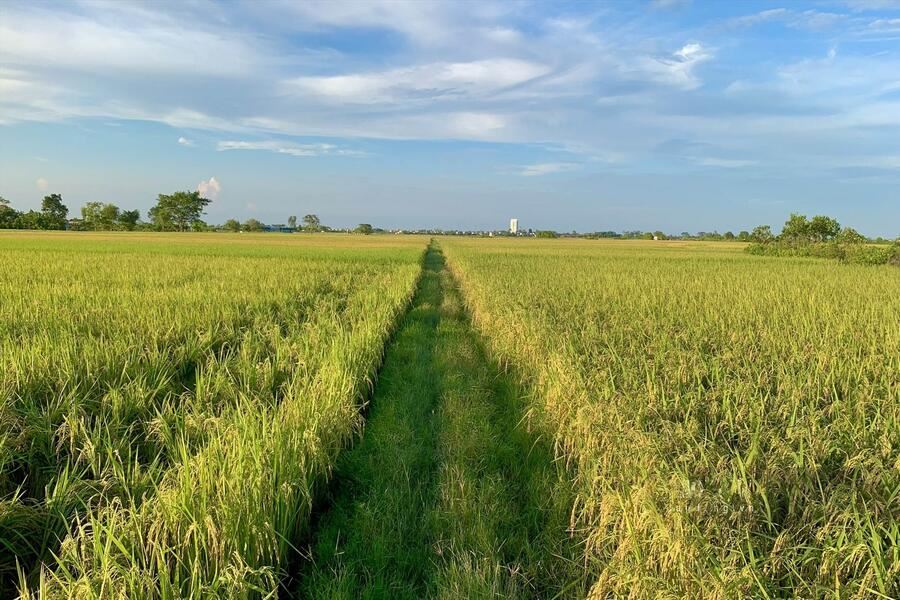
(669,114)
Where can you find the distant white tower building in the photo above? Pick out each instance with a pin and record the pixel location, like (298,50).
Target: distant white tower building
(514,226)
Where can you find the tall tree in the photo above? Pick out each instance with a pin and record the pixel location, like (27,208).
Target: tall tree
(311,223)
(292,222)
(762,234)
(823,229)
(128,219)
(103,217)
(53,212)
(796,228)
(252,225)
(30,220)
(8,215)
(177,211)
(232,225)
(848,235)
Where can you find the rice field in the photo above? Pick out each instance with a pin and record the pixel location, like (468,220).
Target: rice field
(336,416)
(171,402)
(730,423)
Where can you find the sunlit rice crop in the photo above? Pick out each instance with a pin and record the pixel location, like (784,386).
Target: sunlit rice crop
(731,423)
(170,403)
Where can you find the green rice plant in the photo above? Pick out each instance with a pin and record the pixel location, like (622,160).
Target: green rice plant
(171,403)
(731,422)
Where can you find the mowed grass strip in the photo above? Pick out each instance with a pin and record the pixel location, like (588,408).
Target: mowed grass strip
(445,495)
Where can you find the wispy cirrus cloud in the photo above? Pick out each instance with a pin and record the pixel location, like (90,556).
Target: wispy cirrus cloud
(292,149)
(604,81)
(425,82)
(885,25)
(507,83)
(678,68)
(798,19)
(727,163)
(538,169)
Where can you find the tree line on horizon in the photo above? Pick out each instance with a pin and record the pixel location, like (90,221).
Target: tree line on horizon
(822,237)
(179,211)
(182,211)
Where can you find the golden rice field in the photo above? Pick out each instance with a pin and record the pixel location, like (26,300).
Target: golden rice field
(731,423)
(707,423)
(169,403)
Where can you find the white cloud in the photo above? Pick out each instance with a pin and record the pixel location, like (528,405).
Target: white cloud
(209,188)
(504,35)
(863,5)
(539,169)
(185,142)
(757,18)
(475,125)
(727,163)
(426,23)
(455,80)
(885,25)
(679,69)
(808,19)
(813,19)
(290,148)
(517,75)
(135,41)
(875,162)
(42,184)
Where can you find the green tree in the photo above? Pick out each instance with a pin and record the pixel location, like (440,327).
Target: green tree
(8,215)
(823,229)
(762,234)
(744,236)
(30,220)
(232,225)
(292,222)
(729,236)
(97,215)
(311,223)
(128,219)
(53,212)
(253,225)
(546,234)
(796,228)
(364,228)
(177,211)
(848,235)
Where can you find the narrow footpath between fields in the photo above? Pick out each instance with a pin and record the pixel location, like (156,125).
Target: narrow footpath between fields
(445,495)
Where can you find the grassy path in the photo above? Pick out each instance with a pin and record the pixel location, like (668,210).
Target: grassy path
(445,496)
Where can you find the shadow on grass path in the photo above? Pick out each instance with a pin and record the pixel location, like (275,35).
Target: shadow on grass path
(445,496)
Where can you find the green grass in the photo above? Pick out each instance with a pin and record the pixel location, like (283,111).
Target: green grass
(445,495)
